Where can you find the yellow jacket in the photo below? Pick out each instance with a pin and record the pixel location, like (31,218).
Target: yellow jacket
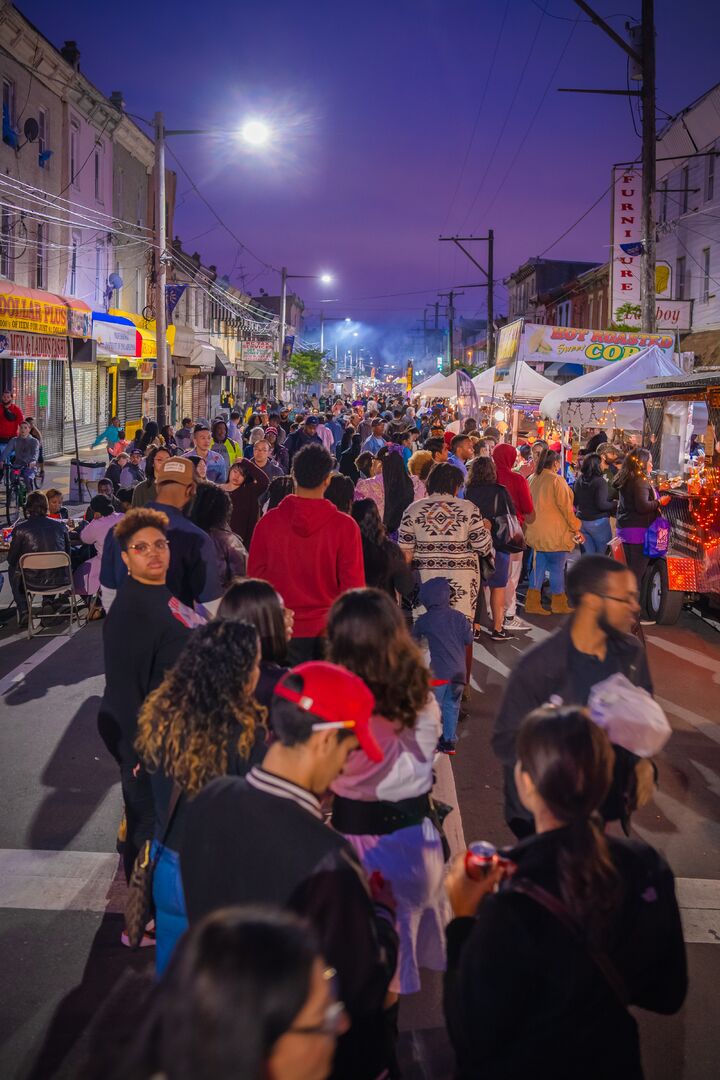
(555,523)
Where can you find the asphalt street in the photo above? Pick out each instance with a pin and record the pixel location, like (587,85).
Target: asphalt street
(60,805)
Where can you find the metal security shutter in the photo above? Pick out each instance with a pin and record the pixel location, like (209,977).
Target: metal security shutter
(129,398)
(185,406)
(200,398)
(49,404)
(85,381)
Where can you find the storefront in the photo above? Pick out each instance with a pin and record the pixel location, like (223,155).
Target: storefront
(129,351)
(37,329)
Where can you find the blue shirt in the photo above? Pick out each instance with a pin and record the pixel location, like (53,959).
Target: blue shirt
(453,460)
(193,574)
(373,443)
(215,465)
(446,630)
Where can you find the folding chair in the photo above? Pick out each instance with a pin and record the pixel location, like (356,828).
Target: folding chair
(50,560)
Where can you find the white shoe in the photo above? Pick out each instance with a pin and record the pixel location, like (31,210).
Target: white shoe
(513,622)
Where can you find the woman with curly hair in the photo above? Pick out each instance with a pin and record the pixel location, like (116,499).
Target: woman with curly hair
(202,722)
(384,809)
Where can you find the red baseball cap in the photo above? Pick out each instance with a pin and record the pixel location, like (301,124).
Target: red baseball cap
(337,697)
(448,437)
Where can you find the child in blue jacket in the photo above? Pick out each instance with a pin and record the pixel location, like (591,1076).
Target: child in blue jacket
(448,634)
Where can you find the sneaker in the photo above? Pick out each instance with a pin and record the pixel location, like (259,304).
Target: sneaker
(147,941)
(501,635)
(514,622)
(444,747)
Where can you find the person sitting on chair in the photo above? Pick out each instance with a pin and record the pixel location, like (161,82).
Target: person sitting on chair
(23,452)
(103,520)
(37,534)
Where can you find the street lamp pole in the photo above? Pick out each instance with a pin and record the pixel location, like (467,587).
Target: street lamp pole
(322,333)
(281,332)
(161,373)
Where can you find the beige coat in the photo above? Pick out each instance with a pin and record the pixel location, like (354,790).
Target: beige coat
(555,523)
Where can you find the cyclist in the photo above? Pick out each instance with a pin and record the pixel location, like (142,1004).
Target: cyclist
(23,451)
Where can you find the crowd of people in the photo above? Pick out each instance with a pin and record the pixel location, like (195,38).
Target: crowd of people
(290,602)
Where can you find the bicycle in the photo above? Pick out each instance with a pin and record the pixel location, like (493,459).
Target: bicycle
(17,487)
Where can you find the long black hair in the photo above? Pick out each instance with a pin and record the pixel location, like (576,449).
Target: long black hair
(590,468)
(570,761)
(234,986)
(633,468)
(547,460)
(398,488)
(150,433)
(211,507)
(253,601)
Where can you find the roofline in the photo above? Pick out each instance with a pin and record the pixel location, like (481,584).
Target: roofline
(683,112)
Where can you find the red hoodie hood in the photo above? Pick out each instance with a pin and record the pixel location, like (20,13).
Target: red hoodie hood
(504,455)
(307,516)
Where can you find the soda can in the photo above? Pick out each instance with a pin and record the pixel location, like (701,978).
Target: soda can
(480,857)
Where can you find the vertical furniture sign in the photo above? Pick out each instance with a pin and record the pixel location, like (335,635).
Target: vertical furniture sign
(625,241)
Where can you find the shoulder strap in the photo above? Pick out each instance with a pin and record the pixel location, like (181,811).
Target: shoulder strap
(177,794)
(555,906)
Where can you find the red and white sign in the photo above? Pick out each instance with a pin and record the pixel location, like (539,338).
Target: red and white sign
(24,346)
(626,229)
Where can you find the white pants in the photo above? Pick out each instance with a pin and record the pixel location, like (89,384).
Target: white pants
(516,561)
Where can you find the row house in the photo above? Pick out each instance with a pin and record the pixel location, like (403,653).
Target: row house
(535,279)
(687,213)
(581,301)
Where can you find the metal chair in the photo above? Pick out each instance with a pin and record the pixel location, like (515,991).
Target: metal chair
(50,560)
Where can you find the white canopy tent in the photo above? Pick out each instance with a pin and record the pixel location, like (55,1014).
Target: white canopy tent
(582,401)
(438,385)
(527,385)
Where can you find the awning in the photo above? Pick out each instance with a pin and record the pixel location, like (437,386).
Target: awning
(223,366)
(182,341)
(202,357)
(37,312)
(706,346)
(258,370)
(115,335)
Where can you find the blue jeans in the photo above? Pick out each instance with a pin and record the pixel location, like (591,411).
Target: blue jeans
(448,698)
(553,563)
(171,919)
(598,535)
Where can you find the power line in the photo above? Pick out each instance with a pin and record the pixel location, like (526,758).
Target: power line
(576,223)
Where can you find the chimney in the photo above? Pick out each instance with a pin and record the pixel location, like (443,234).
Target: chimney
(71,53)
(117,100)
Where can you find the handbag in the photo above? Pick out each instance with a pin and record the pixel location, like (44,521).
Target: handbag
(138,905)
(487,566)
(507,533)
(657,538)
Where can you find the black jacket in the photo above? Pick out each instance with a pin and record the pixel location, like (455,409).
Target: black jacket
(594,499)
(112,473)
(243,845)
(637,505)
(39,533)
(547,670)
(523,998)
(387,568)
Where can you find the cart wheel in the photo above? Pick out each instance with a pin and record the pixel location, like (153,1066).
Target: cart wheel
(662,604)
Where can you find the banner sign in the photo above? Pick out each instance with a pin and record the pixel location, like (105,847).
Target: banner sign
(288,348)
(507,348)
(468,405)
(257,351)
(116,337)
(577,346)
(172,298)
(626,240)
(409,377)
(37,316)
(33,346)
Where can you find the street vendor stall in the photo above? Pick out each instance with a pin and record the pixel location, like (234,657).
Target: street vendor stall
(437,386)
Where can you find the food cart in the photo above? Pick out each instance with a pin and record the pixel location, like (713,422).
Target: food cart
(691,568)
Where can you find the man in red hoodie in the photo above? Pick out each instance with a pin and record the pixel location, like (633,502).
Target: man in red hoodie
(309,551)
(504,457)
(10,420)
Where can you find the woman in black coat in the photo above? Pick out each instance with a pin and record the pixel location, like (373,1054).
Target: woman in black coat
(386,567)
(346,457)
(638,507)
(541,973)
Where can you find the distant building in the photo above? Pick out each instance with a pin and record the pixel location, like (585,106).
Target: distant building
(535,278)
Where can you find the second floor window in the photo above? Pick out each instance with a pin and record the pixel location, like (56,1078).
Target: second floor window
(41,258)
(98,174)
(6,243)
(706,275)
(8,87)
(42,131)
(685,185)
(681,283)
(710,177)
(74,151)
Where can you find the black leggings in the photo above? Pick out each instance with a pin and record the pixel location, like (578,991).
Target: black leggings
(636,560)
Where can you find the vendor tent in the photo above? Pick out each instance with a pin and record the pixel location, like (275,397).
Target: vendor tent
(438,385)
(582,401)
(527,384)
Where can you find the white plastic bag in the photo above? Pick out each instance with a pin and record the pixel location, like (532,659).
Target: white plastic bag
(631,717)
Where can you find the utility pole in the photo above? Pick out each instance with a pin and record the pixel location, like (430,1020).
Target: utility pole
(281,332)
(490,240)
(645,59)
(161,369)
(451,329)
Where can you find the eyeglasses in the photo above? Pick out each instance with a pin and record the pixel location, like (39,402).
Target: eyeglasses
(143,548)
(632,601)
(332,1022)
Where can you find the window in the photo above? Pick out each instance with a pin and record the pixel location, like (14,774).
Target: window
(74,151)
(98,173)
(99,283)
(139,206)
(120,191)
(41,258)
(706,274)
(685,185)
(664,203)
(139,290)
(6,243)
(198,307)
(74,262)
(681,278)
(42,130)
(710,177)
(591,324)
(9,111)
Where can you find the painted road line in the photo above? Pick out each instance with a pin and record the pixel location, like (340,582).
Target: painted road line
(692,656)
(445,791)
(700,723)
(21,672)
(57,880)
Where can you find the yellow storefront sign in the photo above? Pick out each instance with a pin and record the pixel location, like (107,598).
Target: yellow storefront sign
(36,312)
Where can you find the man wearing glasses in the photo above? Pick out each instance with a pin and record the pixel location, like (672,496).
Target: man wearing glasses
(594,643)
(144,633)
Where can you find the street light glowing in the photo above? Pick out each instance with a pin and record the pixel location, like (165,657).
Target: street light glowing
(326,279)
(255,132)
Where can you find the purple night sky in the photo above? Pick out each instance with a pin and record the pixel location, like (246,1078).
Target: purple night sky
(377,102)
